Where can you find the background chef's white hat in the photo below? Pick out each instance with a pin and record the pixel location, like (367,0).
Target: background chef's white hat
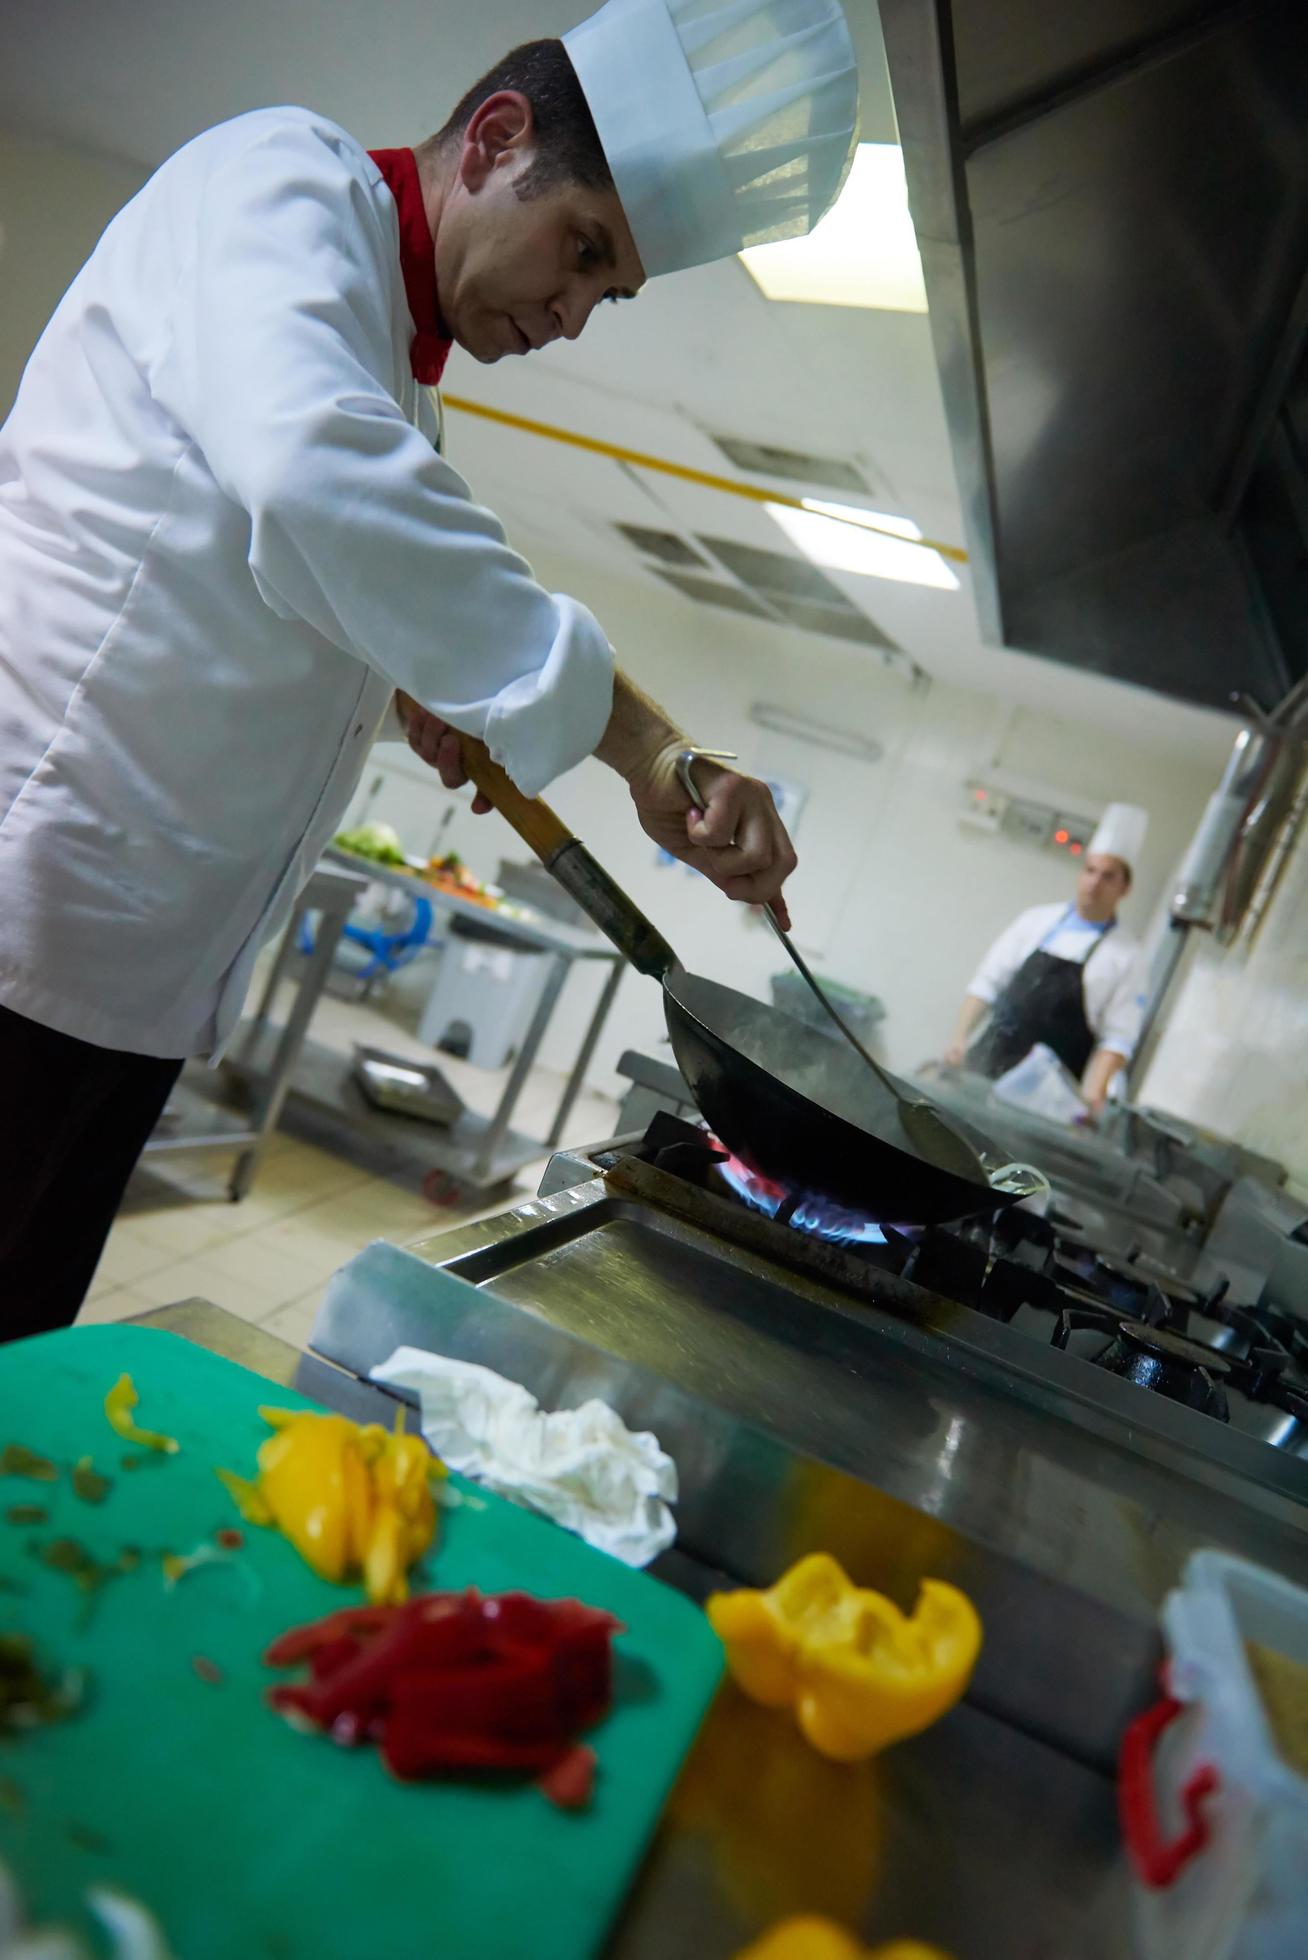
(1121,833)
(725,123)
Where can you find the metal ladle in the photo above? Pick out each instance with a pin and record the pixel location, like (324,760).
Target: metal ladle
(931,1135)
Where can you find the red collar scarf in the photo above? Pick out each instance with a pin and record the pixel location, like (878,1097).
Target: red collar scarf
(428,351)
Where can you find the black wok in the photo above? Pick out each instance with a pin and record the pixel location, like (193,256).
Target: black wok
(782,1095)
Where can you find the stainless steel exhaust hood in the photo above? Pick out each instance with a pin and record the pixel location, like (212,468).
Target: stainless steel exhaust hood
(1111,201)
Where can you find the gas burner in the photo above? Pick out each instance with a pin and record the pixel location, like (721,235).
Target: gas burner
(1154,1358)
(1127,1299)
(803,1211)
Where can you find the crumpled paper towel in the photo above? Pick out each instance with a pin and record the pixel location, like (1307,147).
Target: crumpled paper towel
(582,1467)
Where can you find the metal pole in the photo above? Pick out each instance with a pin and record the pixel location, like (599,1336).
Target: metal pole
(1167,964)
(572,1087)
(494,1134)
(336,903)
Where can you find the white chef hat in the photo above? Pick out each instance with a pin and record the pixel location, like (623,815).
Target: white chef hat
(1121,833)
(726,123)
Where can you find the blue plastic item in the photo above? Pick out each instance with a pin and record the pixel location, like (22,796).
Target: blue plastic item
(390,950)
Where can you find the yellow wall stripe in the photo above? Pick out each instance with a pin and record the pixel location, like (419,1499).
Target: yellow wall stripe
(705,479)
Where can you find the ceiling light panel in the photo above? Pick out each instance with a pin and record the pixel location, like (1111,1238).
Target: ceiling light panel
(863,253)
(711,592)
(837,622)
(792,465)
(666,546)
(773,572)
(850,547)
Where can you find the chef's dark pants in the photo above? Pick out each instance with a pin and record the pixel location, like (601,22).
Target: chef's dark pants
(76,1119)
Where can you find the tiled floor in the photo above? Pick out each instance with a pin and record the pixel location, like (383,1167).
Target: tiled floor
(270,1256)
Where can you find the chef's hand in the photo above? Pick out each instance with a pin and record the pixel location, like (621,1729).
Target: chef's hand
(438,745)
(955,1054)
(736,839)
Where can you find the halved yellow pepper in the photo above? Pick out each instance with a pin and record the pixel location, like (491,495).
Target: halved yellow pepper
(858,1673)
(351,1498)
(808,1937)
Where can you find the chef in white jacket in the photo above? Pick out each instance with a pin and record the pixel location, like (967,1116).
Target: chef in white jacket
(1066,975)
(230,553)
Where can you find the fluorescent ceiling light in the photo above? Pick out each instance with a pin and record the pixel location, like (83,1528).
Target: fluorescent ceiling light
(837,536)
(864,252)
(875,520)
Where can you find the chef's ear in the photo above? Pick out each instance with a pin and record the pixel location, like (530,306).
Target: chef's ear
(499,131)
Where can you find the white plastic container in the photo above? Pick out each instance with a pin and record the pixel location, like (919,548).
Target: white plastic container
(1041,1083)
(1216,1821)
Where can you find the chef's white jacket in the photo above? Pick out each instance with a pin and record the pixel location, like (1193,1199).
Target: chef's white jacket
(1112,982)
(223,544)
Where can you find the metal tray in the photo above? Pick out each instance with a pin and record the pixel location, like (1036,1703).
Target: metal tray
(405,1087)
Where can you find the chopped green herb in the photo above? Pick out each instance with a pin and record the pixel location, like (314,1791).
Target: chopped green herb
(66,1555)
(27,1698)
(87,1839)
(27,1514)
(16,1461)
(90,1486)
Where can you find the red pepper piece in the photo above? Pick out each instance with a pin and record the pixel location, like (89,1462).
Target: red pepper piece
(297,1643)
(570,1783)
(458,1682)
(362,1685)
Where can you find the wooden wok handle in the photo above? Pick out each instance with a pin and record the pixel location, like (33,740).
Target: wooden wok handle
(566,858)
(534,821)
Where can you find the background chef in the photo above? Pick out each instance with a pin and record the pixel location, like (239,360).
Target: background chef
(229,550)
(1066,975)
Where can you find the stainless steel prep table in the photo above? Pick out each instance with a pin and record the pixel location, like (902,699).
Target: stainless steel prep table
(475,1152)
(192,1119)
(982,1838)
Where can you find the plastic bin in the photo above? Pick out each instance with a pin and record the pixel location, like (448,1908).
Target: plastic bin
(1215,1817)
(484,995)
(1042,1084)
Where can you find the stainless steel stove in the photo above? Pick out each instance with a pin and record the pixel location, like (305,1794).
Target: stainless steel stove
(1119,1281)
(1050,1411)
(1074,1399)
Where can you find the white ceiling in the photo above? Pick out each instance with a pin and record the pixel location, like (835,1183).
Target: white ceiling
(701,351)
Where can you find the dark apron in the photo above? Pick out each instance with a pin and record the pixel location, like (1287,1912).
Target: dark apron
(1044,1001)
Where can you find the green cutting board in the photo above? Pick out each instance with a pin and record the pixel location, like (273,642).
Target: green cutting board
(245,1837)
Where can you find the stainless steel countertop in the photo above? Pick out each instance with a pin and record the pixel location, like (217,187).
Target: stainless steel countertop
(975,1836)
(536,932)
(1030,1452)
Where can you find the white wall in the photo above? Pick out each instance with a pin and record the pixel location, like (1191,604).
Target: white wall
(1234,1051)
(892,894)
(54,203)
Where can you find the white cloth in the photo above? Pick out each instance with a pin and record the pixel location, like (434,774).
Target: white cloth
(222,544)
(726,123)
(1114,979)
(582,1467)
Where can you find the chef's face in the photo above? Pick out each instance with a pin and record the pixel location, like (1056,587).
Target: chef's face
(1101,885)
(513,272)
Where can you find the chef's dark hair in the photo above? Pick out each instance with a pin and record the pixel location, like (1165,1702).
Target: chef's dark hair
(567,146)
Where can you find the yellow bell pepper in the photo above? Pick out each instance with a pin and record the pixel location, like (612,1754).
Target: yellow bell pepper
(808,1937)
(858,1672)
(351,1499)
(118,1405)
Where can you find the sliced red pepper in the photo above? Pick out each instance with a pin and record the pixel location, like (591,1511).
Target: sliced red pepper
(570,1783)
(459,1682)
(297,1643)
